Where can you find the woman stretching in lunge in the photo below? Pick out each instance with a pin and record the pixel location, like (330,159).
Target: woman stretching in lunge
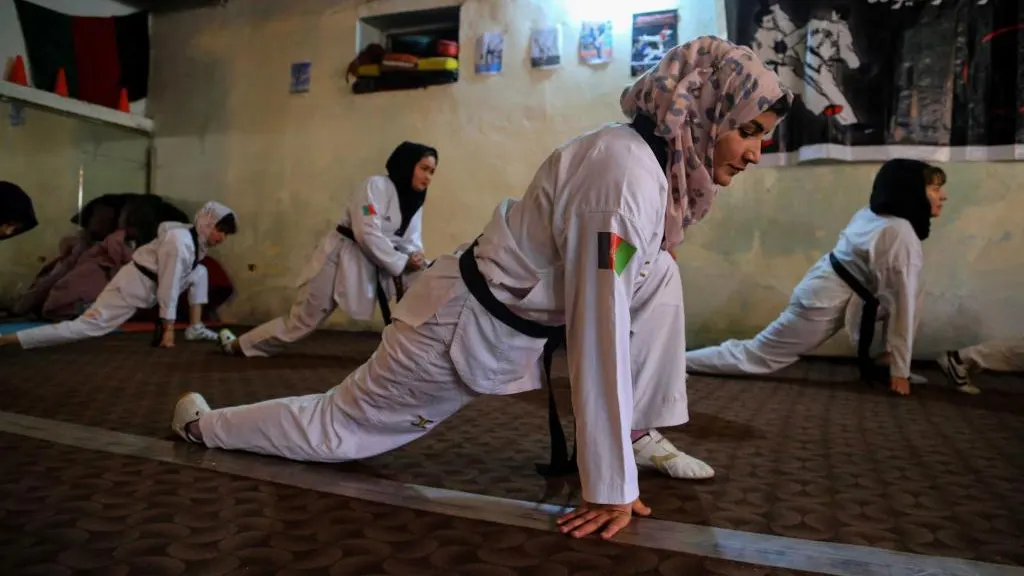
(160,271)
(584,254)
(877,259)
(993,355)
(369,259)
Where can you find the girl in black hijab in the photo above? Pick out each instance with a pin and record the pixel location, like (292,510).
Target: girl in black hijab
(897,191)
(373,253)
(874,267)
(410,184)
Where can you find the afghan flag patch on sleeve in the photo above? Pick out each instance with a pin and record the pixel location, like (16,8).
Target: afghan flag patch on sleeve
(369,210)
(613,252)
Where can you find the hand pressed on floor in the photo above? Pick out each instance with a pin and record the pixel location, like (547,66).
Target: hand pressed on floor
(415,262)
(167,340)
(590,518)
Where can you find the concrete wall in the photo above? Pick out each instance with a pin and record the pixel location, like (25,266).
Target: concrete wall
(229,130)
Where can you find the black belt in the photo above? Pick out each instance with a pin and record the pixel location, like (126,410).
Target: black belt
(158,328)
(146,271)
(561,463)
(868,371)
(382,296)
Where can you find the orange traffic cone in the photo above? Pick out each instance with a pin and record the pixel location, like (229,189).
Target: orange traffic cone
(61,87)
(17,74)
(122,103)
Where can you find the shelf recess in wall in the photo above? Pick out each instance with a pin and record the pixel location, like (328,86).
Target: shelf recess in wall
(43,99)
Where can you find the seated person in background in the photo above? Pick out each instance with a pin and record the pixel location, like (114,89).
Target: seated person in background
(878,259)
(99,220)
(994,355)
(160,272)
(72,294)
(17,215)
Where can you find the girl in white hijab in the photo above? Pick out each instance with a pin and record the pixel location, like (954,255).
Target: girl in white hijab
(160,271)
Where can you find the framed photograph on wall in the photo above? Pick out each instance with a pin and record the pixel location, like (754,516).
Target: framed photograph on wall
(654,34)
(596,42)
(490,51)
(546,47)
(300,77)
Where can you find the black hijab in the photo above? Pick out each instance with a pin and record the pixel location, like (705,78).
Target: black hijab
(400,167)
(16,208)
(900,190)
(644,126)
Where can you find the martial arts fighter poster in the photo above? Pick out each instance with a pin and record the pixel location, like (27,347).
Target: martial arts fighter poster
(654,34)
(596,42)
(875,79)
(546,47)
(490,48)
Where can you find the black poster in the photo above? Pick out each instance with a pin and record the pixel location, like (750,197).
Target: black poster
(876,79)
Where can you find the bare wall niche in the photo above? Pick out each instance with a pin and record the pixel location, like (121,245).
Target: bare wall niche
(407,50)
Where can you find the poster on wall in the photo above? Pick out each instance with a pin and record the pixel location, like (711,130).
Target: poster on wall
(546,47)
(16,115)
(300,77)
(596,42)
(936,80)
(490,48)
(654,34)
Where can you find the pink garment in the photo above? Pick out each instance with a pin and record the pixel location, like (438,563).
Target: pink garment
(71,248)
(73,293)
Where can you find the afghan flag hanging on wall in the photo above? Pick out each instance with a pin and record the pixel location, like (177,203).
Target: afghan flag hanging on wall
(100,56)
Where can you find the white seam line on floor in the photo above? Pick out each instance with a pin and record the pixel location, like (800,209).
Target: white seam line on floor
(710,542)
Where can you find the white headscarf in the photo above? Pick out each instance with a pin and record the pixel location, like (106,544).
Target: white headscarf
(205,220)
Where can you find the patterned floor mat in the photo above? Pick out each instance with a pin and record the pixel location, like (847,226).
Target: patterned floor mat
(65,510)
(807,455)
